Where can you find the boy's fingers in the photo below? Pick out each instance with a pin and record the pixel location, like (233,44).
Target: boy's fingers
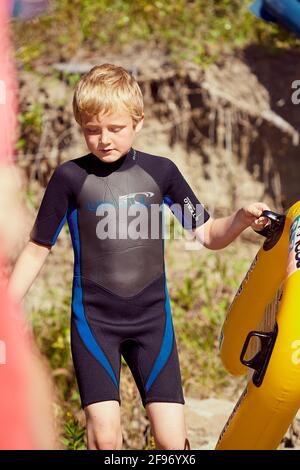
(263,220)
(257,213)
(260,208)
(260,224)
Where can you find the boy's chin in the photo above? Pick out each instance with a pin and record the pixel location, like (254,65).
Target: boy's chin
(108,157)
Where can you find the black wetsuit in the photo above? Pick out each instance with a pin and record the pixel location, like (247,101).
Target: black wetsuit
(120,302)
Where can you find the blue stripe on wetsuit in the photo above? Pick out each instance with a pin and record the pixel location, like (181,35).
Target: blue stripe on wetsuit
(77,303)
(62,223)
(167,343)
(166,347)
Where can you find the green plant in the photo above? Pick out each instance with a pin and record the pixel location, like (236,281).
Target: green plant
(200,29)
(73,434)
(32,117)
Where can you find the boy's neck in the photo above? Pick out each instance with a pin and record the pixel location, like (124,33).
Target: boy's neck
(110,167)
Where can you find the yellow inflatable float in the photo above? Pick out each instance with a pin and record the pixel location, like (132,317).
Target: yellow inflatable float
(261,333)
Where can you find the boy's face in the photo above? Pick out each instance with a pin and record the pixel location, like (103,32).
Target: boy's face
(109,136)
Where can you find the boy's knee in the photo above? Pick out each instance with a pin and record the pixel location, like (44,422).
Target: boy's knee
(108,442)
(103,428)
(105,439)
(175,443)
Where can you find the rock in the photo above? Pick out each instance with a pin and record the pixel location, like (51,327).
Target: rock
(205,420)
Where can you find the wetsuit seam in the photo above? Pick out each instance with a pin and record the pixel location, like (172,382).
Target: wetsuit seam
(164,399)
(88,402)
(143,378)
(113,252)
(119,296)
(41,242)
(131,339)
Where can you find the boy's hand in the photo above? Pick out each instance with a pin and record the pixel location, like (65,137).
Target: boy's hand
(252,215)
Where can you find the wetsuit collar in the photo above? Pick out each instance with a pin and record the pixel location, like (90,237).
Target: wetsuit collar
(121,164)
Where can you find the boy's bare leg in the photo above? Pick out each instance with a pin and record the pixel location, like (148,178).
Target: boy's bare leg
(103,425)
(168,425)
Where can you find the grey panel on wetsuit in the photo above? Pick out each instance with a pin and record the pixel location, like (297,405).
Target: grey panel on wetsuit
(123,266)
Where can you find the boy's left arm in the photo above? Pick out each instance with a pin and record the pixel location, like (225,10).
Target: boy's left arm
(216,234)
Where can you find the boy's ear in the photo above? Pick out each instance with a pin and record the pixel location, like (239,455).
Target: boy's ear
(139,125)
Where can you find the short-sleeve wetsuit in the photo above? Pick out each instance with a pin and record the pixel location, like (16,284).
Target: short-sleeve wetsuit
(120,302)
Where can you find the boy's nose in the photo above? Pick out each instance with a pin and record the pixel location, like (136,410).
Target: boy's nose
(104,139)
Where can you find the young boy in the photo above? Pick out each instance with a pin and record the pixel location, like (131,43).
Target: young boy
(120,302)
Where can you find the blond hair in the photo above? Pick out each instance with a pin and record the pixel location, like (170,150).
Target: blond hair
(103,89)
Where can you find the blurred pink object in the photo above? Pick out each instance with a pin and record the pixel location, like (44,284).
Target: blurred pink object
(8,89)
(16,431)
(16,426)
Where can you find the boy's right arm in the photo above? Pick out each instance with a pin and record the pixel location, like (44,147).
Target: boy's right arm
(49,221)
(26,269)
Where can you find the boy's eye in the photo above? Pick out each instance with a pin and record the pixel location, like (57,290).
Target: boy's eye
(115,129)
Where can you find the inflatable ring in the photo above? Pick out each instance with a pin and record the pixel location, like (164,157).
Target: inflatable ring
(270,289)
(284,12)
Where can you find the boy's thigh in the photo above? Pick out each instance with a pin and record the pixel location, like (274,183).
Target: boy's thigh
(167,423)
(103,415)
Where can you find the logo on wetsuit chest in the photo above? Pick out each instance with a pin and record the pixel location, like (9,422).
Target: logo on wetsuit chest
(125,200)
(136,198)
